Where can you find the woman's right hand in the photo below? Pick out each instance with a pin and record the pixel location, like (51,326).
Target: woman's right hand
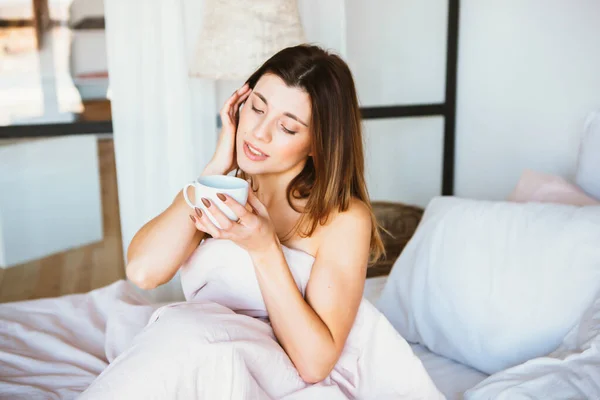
(224,160)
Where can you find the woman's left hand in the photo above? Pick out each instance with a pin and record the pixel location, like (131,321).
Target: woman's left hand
(254,230)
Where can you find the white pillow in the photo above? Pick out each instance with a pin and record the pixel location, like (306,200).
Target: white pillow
(493,284)
(588,163)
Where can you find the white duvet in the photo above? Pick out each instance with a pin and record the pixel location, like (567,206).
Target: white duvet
(216,345)
(219,345)
(56,348)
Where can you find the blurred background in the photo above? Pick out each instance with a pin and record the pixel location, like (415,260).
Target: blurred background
(107,108)
(54,67)
(59,215)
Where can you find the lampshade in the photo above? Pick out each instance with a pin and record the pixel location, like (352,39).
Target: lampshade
(237,36)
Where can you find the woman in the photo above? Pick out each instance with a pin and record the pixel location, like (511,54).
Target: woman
(294,131)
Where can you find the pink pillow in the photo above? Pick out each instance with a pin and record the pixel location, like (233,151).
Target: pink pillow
(544,188)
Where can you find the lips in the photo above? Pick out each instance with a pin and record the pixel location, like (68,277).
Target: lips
(254,153)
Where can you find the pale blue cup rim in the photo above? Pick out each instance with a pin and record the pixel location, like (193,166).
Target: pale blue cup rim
(222,182)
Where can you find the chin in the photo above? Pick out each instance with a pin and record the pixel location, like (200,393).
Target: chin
(250,167)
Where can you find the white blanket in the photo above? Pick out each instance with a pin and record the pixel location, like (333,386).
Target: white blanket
(570,372)
(54,348)
(211,348)
(216,345)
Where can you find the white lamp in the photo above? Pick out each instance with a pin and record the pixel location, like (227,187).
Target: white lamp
(237,36)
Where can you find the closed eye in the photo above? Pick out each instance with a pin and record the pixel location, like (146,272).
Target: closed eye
(256,110)
(286,130)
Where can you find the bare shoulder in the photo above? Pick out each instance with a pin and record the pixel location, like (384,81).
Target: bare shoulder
(357,217)
(349,230)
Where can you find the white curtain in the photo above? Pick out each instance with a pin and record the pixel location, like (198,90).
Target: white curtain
(164,122)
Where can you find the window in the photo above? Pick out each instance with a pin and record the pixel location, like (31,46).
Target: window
(53,67)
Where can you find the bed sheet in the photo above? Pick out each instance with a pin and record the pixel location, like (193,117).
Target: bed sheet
(451,378)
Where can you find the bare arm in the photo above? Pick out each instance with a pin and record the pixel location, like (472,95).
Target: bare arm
(313,332)
(160,247)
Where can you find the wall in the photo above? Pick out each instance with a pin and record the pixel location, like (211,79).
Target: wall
(529,73)
(397,53)
(527,78)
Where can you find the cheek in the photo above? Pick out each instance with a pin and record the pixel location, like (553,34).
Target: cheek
(294,149)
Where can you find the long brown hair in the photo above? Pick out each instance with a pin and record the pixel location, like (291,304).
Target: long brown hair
(335,172)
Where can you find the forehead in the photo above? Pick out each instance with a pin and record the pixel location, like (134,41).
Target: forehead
(283,98)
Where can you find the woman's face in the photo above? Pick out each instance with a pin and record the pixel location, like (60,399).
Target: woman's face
(273,134)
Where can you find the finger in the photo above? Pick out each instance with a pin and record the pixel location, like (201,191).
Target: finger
(228,106)
(222,219)
(256,204)
(236,207)
(236,95)
(198,224)
(225,116)
(231,100)
(245,87)
(232,113)
(235,108)
(204,224)
(243,97)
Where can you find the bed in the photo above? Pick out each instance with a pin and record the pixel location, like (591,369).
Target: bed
(54,348)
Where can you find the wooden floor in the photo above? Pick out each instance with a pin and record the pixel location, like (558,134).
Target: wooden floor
(78,270)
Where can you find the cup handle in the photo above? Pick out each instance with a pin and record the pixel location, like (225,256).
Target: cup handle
(185,195)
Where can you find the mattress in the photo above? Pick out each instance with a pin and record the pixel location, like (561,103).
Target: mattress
(54,348)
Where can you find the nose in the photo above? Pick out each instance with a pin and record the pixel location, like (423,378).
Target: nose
(262,131)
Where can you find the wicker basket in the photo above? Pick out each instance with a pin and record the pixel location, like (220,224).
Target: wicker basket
(401,221)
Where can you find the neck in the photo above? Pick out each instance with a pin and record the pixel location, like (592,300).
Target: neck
(273,187)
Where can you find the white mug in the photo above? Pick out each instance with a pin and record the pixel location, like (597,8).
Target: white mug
(209,186)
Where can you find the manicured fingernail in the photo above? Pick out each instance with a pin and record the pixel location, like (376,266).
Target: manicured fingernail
(192,218)
(206,202)
(221,197)
(198,212)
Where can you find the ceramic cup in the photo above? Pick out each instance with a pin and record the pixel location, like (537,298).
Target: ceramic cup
(209,186)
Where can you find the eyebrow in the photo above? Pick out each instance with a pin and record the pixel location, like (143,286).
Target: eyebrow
(287,114)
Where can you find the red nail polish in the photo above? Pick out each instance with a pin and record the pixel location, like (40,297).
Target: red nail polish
(206,202)
(221,197)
